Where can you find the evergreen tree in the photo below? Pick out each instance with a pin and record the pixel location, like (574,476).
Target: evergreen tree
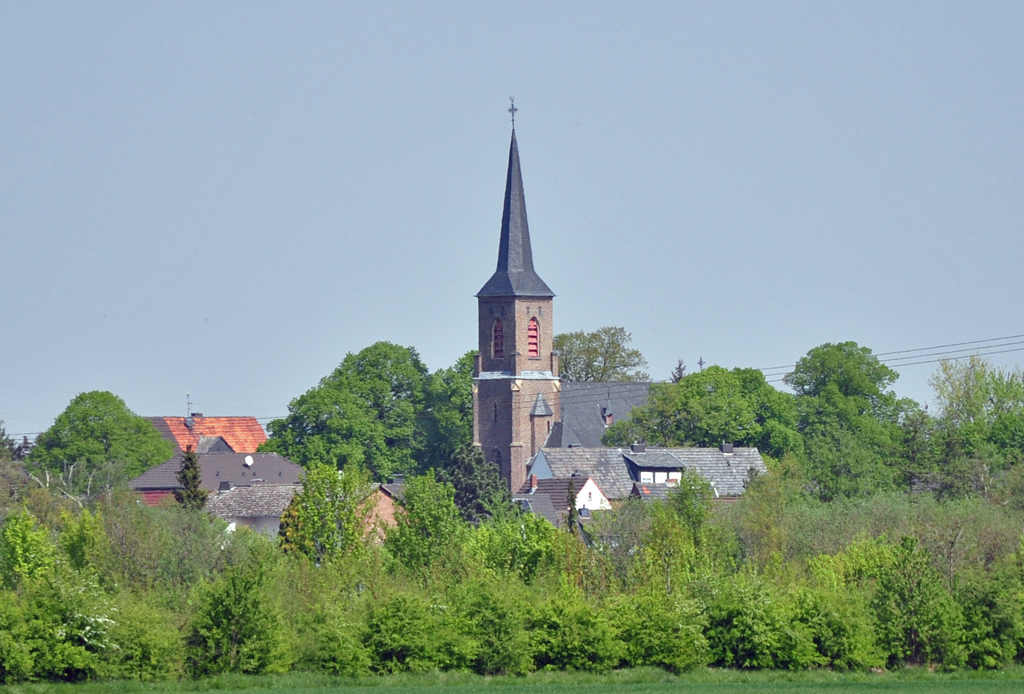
(479,489)
(191,495)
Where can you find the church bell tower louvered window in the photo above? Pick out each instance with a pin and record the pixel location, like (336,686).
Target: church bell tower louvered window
(532,339)
(498,339)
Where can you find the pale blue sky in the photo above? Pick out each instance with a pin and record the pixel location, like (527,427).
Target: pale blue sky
(225,198)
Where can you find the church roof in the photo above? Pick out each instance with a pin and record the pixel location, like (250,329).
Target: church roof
(515,275)
(584,406)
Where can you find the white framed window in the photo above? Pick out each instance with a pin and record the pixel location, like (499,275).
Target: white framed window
(647,478)
(660,477)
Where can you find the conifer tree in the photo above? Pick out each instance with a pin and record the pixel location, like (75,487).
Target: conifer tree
(191,495)
(573,513)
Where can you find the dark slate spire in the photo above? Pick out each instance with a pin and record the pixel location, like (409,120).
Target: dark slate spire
(515,275)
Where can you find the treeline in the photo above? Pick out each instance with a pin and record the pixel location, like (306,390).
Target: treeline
(851,435)
(883,536)
(777,579)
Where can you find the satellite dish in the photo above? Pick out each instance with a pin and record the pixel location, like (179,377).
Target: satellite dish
(248,461)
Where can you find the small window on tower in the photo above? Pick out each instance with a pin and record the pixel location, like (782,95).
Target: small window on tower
(498,340)
(531,338)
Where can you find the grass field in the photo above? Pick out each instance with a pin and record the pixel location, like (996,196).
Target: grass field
(632,681)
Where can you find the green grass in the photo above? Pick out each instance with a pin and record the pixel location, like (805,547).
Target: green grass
(640,681)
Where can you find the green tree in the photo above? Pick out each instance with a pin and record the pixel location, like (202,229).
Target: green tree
(191,495)
(978,404)
(25,549)
(849,419)
(428,525)
(327,518)
(369,412)
(449,420)
(603,355)
(711,406)
(96,443)
(691,502)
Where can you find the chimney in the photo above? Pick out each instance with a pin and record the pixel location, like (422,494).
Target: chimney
(533,483)
(189,422)
(638,448)
(726,448)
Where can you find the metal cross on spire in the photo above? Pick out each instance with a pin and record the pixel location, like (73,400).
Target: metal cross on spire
(512,109)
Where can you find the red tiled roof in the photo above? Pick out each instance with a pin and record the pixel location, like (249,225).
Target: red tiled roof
(243,434)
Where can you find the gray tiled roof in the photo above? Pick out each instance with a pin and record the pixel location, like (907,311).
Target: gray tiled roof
(541,505)
(257,501)
(583,406)
(614,470)
(604,465)
(650,492)
(515,275)
(215,468)
(728,473)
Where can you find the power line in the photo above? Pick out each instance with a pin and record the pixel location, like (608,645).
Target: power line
(933,361)
(926,349)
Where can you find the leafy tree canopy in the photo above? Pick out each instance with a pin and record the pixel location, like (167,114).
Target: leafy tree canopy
(603,355)
(97,442)
(450,404)
(711,406)
(849,419)
(368,411)
(428,524)
(846,375)
(327,519)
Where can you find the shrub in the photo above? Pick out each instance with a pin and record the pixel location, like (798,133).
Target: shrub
(661,631)
(236,628)
(750,627)
(332,642)
(16,661)
(145,642)
(568,633)
(404,633)
(496,617)
(840,627)
(918,622)
(993,618)
(58,630)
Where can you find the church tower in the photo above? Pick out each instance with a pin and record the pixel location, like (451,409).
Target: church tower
(515,388)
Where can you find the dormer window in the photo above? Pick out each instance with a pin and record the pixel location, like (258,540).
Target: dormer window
(498,340)
(532,340)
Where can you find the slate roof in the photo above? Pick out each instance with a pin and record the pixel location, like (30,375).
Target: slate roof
(650,492)
(727,472)
(256,501)
(242,434)
(215,468)
(583,406)
(515,275)
(541,505)
(604,465)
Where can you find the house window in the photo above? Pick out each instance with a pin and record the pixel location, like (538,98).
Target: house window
(498,339)
(660,477)
(647,478)
(531,339)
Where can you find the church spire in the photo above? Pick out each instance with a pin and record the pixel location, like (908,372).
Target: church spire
(515,275)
